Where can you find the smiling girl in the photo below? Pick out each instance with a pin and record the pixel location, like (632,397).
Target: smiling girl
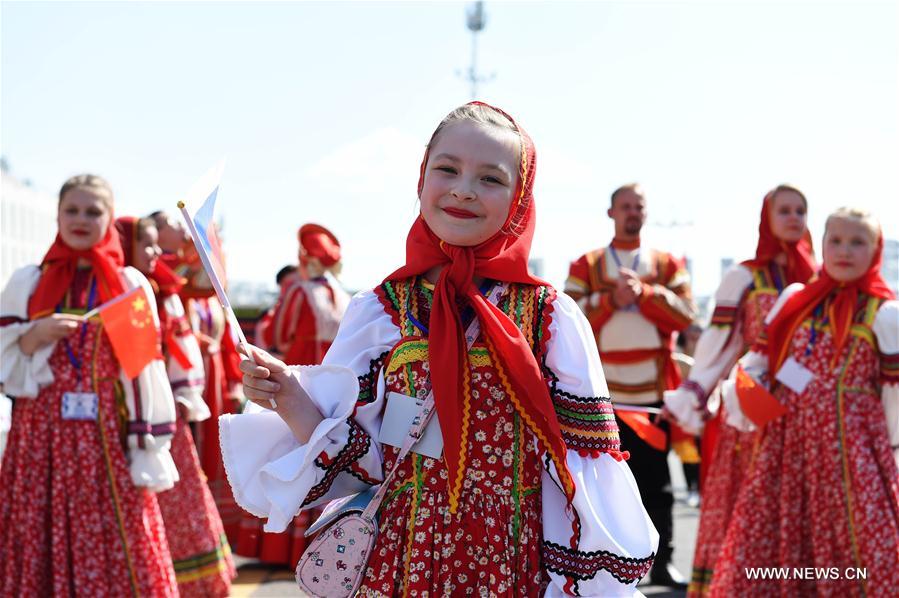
(823,489)
(529,492)
(87,445)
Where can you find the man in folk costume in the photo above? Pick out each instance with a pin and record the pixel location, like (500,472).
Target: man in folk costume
(305,324)
(636,300)
(264,334)
(307,319)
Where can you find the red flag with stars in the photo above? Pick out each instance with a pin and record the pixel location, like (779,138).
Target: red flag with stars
(129,324)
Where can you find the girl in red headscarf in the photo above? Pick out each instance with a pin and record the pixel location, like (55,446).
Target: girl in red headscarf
(823,489)
(200,552)
(744,298)
(305,324)
(529,493)
(88,446)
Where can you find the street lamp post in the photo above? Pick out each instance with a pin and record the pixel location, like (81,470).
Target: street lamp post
(475,20)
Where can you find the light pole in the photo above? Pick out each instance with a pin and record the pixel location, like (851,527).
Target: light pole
(475,20)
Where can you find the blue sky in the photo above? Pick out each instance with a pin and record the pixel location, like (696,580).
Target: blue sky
(323,109)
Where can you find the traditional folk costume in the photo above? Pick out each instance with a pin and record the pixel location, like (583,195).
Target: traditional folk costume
(304,326)
(200,551)
(823,488)
(221,390)
(636,345)
(532,494)
(746,295)
(78,514)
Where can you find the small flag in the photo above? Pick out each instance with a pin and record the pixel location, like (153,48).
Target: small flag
(757,403)
(129,324)
(200,204)
(638,421)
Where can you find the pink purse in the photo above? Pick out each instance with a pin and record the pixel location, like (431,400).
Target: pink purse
(334,563)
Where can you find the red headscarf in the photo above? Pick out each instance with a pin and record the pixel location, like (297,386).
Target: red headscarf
(318,242)
(800,305)
(164,280)
(800,255)
(58,269)
(503,257)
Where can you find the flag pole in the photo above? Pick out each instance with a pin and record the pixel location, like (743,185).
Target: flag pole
(217,284)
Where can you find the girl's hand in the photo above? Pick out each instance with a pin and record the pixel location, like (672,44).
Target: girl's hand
(48,330)
(270,379)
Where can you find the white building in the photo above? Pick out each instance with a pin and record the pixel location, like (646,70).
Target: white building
(27,222)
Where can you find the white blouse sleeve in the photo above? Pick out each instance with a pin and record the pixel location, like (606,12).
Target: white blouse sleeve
(151,412)
(274,476)
(615,541)
(185,362)
(717,350)
(755,364)
(22,376)
(886,330)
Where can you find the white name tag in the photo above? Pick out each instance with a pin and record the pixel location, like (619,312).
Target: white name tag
(80,406)
(794,375)
(398,417)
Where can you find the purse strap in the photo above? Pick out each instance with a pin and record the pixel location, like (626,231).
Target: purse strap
(427,411)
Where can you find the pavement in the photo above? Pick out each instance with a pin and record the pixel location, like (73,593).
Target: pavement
(258,580)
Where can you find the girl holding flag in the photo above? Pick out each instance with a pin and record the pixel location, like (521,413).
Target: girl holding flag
(200,552)
(88,444)
(823,490)
(532,494)
(783,256)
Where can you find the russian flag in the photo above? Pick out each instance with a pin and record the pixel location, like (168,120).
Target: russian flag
(200,206)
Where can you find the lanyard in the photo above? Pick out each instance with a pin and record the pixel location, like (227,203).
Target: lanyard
(813,334)
(618,261)
(73,359)
(467,314)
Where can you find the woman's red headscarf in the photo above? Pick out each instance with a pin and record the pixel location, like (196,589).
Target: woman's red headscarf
(164,280)
(800,255)
(503,257)
(58,269)
(798,307)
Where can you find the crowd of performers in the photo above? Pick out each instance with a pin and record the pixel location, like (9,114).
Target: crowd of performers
(553,479)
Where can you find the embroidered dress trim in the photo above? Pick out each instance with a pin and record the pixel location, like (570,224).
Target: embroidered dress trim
(585,565)
(203,565)
(588,423)
(358,444)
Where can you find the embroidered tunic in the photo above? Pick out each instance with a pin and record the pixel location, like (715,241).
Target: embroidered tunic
(742,302)
(512,534)
(823,489)
(635,344)
(77,514)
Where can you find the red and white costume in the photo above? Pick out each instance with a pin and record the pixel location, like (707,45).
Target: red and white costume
(532,495)
(78,513)
(742,302)
(199,549)
(823,488)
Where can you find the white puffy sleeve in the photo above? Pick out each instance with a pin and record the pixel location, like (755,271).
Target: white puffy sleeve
(22,376)
(754,363)
(151,412)
(184,361)
(607,543)
(886,330)
(274,476)
(718,349)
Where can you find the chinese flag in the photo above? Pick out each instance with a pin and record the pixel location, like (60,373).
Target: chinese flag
(128,321)
(648,432)
(757,403)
